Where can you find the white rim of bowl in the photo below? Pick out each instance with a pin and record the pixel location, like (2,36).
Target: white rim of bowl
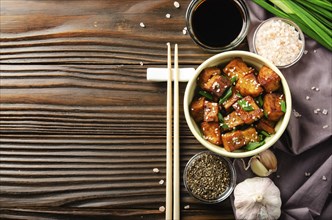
(220,58)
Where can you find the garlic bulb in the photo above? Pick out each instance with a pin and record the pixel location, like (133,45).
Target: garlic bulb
(257,198)
(264,163)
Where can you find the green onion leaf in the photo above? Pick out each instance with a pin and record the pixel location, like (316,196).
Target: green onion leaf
(223,125)
(234,79)
(206,94)
(244,104)
(322,4)
(314,9)
(239,95)
(259,101)
(220,117)
(283,105)
(265,133)
(253,145)
(261,137)
(226,96)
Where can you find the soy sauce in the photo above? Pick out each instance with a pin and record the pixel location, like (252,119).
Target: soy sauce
(216,23)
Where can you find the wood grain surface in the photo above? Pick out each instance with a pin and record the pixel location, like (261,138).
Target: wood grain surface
(81,127)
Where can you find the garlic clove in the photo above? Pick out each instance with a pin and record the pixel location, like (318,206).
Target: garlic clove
(268,159)
(258,168)
(264,163)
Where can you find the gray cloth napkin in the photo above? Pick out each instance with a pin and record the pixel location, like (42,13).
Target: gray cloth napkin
(304,150)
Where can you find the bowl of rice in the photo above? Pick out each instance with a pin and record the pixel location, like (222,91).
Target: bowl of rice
(279,40)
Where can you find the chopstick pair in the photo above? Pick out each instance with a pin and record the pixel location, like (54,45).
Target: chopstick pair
(175,193)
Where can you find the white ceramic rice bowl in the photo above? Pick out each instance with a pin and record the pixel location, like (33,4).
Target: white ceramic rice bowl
(257,62)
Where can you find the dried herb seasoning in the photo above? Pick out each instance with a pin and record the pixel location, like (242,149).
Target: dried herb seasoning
(208,176)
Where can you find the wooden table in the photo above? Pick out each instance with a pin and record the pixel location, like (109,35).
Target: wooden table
(81,127)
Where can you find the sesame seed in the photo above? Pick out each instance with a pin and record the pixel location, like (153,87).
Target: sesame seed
(324,178)
(187,207)
(176,4)
(161,182)
(315,51)
(325,126)
(155,170)
(307,97)
(325,111)
(168,15)
(317,89)
(313,88)
(307,174)
(142,25)
(141,63)
(305,52)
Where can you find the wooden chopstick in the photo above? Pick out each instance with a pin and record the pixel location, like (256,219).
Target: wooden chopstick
(169,137)
(176,145)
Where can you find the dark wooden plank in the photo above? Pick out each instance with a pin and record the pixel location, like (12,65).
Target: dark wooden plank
(95,32)
(81,128)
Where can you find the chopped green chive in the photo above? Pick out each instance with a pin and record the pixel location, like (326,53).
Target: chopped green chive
(234,79)
(283,105)
(224,126)
(261,137)
(226,96)
(245,105)
(253,145)
(220,117)
(239,95)
(259,101)
(265,133)
(206,94)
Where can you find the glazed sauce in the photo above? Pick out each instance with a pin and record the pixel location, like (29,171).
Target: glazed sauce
(216,23)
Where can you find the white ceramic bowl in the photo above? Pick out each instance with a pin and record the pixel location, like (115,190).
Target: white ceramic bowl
(257,62)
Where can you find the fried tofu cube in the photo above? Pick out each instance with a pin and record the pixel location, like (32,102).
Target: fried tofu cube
(233,140)
(197,109)
(237,139)
(269,79)
(232,120)
(206,75)
(237,68)
(248,110)
(266,125)
(248,85)
(250,135)
(217,85)
(211,110)
(211,132)
(272,105)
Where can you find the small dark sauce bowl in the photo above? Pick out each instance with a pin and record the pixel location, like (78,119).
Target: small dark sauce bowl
(213,19)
